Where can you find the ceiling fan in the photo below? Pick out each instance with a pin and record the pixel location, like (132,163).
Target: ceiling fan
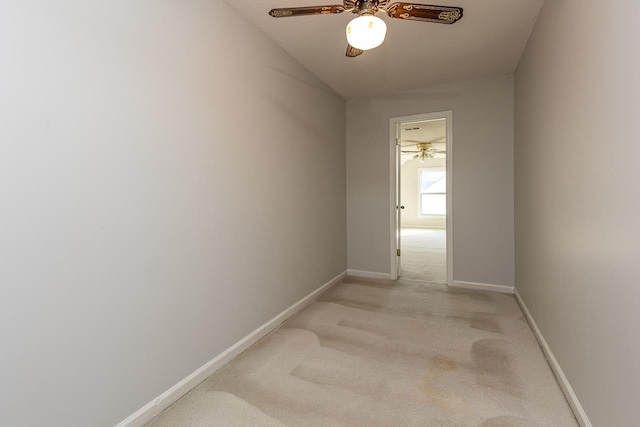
(425,150)
(368,31)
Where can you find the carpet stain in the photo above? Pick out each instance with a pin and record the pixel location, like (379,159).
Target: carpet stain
(364,326)
(381,353)
(443,363)
(485,322)
(435,397)
(492,366)
(353,304)
(440,400)
(430,391)
(481,321)
(480,297)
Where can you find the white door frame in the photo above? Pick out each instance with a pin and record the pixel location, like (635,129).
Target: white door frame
(393,170)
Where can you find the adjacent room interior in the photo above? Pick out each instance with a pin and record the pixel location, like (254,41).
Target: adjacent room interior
(423,200)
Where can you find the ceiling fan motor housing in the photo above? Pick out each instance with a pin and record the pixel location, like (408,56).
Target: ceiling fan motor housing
(367,7)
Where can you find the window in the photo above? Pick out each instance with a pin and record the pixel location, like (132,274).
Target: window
(433,191)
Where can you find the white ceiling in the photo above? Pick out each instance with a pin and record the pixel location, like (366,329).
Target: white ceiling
(487,41)
(431,131)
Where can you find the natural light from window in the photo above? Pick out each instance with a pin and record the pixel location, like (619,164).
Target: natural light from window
(433,191)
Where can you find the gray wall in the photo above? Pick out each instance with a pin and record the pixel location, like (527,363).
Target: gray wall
(136,244)
(577,188)
(482,176)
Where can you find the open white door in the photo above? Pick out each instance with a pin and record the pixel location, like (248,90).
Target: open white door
(395,157)
(399,206)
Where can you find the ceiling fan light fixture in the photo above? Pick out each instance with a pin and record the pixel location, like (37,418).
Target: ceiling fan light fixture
(366,32)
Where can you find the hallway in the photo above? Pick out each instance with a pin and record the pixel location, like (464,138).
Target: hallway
(382,353)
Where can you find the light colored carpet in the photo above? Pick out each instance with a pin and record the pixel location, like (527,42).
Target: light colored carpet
(382,353)
(424,254)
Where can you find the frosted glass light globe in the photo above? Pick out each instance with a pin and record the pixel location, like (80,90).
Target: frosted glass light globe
(366,32)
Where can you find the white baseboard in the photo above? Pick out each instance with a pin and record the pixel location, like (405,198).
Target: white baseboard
(482,287)
(369,274)
(570,395)
(427,227)
(159,404)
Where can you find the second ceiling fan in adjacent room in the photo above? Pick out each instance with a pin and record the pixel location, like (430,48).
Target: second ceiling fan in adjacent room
(424,150)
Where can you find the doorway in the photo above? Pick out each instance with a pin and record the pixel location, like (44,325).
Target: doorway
(422,197)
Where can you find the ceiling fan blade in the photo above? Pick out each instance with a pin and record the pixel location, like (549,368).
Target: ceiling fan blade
(410,151)
(425,12)
(424,143)
(352,52)
(310,10)
(414,141)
